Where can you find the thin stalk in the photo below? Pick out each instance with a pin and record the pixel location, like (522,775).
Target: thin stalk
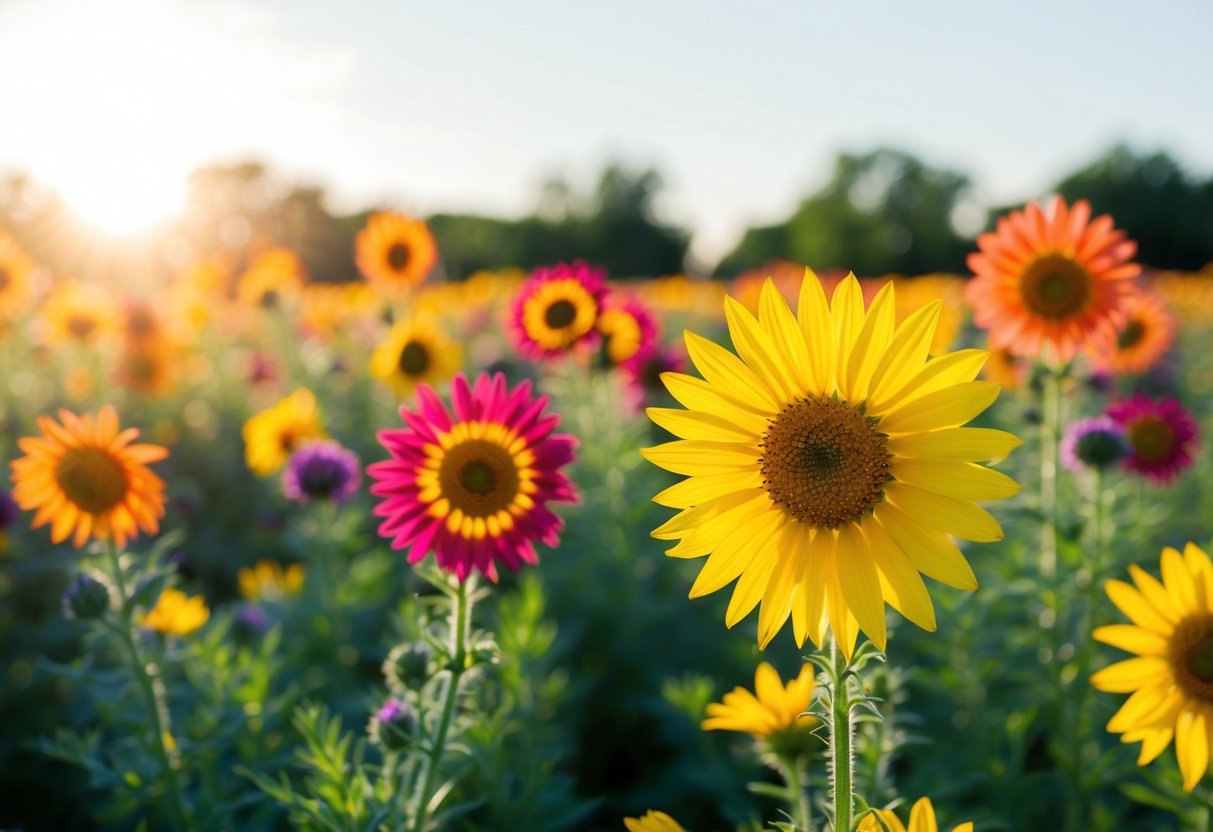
(798,797)
(840,742)
(154,698)
(461,612)
(328,568)
(1050,438)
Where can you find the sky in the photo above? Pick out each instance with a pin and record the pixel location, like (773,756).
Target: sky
(470,106)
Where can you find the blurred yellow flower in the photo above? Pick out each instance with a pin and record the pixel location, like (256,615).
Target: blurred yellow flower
(416,351)
(653,821)
(922,819)
(274,277)
(15,269)
(395,253)
(77,312)
(772,708)
(149,367)
(1171,675)
(176,614)
(267,579)
(271,436)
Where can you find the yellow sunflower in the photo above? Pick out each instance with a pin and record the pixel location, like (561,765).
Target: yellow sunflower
(415,352)
(15,269)
(176,614)
(1171,675)
(268,579)
(1142,340)
(271,436)
(652,821)
(395,253)
(274,277)
(85,478)
(771,709)
(149,366)
(922,819)
(80,313)
(827,464)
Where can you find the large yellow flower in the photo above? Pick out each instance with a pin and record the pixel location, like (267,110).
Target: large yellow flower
(922,819)
(176,614)
(828,464)
(86,479)
(415,352)
(271,436)
(771,709)
(653,821)
(1171,676)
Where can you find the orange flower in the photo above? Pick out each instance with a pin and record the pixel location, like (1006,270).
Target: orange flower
(1141,341)
(16,268)
(1052,278)
(79,312)
(275,276)
(85,478)
(395,253)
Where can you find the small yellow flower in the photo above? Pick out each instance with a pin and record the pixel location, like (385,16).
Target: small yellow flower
(922,819)
(415,352)
(774,709)
(271,436)
(176,613)
(267,579)
(653,821)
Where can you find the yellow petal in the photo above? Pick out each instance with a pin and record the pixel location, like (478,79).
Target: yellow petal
(736,551)
(698,395)
(922,817)
(1129,600)
(846,319)
(861,584)
(756,349)
(929,550)
(693,424)
(907,351)
(750,586)
(947,408)
(696,490)
(735,504)
(937,374)
(1192,747)
(728,373)
(777,319)
(870,345)
(779,594)
(1131,674)
(901,584)
(813,315)
(1133,639)
(955,444)
(696,457)
(956,517)
(962,480)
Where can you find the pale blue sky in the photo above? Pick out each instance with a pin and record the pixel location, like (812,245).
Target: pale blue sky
(469,106)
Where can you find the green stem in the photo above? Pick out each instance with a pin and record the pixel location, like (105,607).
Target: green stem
(461,612)
(798,797)
(146,676)
(1050,430)
(328,569)
(840,742)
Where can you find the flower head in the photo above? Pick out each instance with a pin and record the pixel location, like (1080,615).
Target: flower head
(176,614)
(416,352)
(1051,277)
(395,253)
(828,464)
(1170,676)
(271,436)
(1162,436)
(322,471)
(1097,443)
(1141,340)
(628,329)
(15,269)
(557,309)
(393,725)
(86,479)
(773,709)
(79,313)
(652,821)
(275,276)
(269,579)
(88,595)
(473,487)
(922,819)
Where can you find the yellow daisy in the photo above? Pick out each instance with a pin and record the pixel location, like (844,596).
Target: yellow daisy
(922,819)
(827,464)
(176,614)
(267,579)
(271,436)
(772,708)
(1171,676)
(653,821)
(415,352)
(395,253)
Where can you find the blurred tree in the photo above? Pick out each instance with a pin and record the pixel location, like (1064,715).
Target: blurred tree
(1154,201)
(881,212)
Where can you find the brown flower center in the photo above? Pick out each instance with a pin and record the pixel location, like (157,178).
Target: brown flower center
(1131,335)
(1190,652)
(1151,438)
(479,477)
(1055,287)
(560,314)
(141,323)
(398,256)
(824,462)
(92,479)
(81,326)
(414,359)
(5,278)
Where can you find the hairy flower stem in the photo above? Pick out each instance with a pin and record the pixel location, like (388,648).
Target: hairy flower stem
(798,798)
(840,741)
(461,613)
(1050,440)
(146,675)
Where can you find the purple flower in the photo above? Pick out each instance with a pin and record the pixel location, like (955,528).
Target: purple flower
(322,471)
(393,724)
(1097,443)
(8,510)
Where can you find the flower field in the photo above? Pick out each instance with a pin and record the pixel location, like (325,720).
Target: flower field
(559,550)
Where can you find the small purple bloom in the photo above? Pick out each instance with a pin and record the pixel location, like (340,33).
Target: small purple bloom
(8,510)
(393,725)
(1097,443)
(252,620)
(322,471)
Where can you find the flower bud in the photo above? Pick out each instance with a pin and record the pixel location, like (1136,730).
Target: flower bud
(393,725)
(87,596)
(408,665)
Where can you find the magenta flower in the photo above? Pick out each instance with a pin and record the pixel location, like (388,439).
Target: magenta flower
(321,471)
(1161,436)
(556,310)
(474,488)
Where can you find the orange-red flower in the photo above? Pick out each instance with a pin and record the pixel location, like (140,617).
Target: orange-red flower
(1141,341)
(85,478)
(1051,278)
